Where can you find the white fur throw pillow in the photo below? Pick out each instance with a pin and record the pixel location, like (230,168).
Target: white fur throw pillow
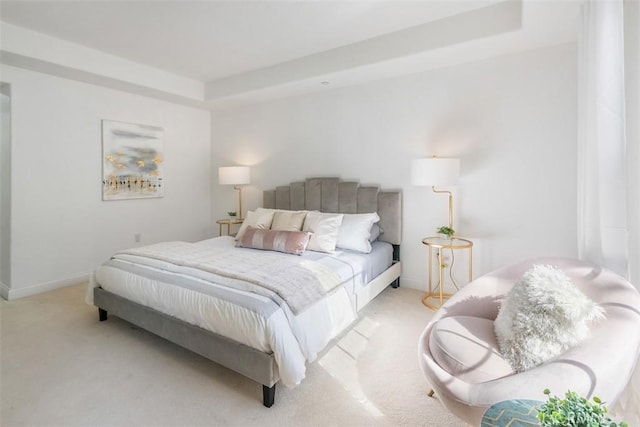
(543,316)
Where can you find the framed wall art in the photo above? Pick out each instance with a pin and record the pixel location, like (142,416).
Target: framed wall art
(132,161)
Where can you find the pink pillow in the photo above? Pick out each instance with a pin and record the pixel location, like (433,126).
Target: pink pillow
(289,242)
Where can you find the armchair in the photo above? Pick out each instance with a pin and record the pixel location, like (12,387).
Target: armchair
(600,366)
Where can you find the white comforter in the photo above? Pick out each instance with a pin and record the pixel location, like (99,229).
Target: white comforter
(245,314)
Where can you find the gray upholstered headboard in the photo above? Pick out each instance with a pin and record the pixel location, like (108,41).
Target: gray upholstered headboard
(333,195)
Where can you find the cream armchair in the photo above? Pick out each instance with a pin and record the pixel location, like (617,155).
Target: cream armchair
(474,376)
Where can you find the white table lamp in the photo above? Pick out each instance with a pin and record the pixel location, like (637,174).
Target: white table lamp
(235,175)
(437,172)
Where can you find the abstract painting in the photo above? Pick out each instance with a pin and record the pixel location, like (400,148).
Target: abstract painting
(132,161)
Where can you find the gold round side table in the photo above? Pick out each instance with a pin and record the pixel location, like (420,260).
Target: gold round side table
(228,223)
(437,292)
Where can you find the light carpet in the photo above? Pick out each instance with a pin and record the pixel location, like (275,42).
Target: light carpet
(61,367)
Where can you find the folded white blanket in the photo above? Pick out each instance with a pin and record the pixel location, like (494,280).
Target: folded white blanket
(299,282)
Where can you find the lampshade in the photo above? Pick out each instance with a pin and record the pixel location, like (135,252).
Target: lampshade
(435,171)
(234,175)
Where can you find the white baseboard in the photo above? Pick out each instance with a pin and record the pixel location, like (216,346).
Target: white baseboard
(406,282)
(4,291)
(26,291)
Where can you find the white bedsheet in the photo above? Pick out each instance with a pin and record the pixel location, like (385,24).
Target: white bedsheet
(247,317)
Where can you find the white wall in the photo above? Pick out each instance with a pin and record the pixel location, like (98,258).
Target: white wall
(632,105)
(5,184)
(511,120)
(61,228)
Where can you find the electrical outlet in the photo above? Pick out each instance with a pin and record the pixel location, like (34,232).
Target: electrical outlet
(446,261)
(137,237)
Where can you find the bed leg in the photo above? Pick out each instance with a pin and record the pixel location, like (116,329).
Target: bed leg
(396,283)
(268,395)
(102,314)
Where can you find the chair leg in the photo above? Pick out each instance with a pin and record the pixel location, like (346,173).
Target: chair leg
(431,393)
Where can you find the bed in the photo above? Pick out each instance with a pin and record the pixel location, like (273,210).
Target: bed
(262,313)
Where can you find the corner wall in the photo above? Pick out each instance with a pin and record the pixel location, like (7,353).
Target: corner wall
(511,121)
(5,188)
(61,228)
(632,100)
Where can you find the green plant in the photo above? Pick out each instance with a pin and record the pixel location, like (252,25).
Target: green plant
(231,213)
(447,231)
(574,411)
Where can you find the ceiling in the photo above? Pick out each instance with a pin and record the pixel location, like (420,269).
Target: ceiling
(247,51)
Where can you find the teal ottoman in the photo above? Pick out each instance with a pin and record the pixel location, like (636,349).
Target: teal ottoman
(512,413)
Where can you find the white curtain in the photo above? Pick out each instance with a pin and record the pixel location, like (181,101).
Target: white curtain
(609,151)
(603,179)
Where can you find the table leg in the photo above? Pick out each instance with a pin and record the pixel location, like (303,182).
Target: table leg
(470,264)
(437,292)
(440,269)
(430,270)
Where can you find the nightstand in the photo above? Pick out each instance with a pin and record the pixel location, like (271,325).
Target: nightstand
(228,223)
(437,292)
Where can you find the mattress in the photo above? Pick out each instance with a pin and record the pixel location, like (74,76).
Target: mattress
(355,268)
(258,319)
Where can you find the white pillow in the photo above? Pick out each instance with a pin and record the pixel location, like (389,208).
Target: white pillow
(355,231)
(543,316)
(258,219)
(325,228)
(376,231)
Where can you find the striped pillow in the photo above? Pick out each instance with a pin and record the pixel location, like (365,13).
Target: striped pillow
(289,242)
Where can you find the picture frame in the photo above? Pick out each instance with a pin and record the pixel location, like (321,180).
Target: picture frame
(132,161)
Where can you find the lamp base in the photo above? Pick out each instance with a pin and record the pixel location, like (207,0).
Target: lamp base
(433,300)
(239,202)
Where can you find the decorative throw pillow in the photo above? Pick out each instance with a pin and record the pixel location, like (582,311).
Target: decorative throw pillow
(325,228)
(355,231)
(543,316)
(466,347)
(288,220)
(257,219)
(289,242)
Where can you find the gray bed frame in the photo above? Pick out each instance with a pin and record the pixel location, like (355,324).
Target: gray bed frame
(323,194)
